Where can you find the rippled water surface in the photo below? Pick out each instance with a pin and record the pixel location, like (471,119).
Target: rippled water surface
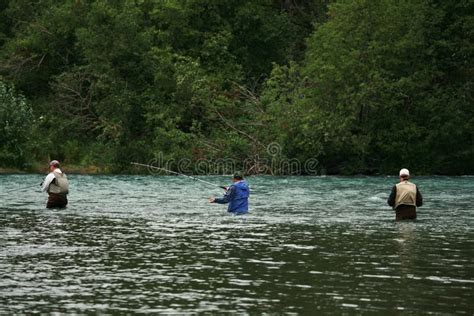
(309,245)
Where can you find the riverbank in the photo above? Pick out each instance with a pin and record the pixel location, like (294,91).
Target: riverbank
(111,170)
(71,169)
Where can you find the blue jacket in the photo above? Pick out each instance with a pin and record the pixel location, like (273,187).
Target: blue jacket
(237,196)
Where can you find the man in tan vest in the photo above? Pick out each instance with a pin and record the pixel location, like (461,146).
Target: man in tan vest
(405,197)
(57,186)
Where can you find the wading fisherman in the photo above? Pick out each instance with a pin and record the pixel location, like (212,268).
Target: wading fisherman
(57,186)
(237,195)
(405,197)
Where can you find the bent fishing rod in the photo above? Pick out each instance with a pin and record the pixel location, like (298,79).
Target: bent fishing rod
(179,174)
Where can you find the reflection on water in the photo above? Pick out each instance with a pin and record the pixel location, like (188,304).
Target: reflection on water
(406,242)
(309,245)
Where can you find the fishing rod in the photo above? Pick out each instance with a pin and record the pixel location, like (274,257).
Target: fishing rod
(20,189)
(179,174)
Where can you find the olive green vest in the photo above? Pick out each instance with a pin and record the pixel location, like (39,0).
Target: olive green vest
(61,185)
(406,194)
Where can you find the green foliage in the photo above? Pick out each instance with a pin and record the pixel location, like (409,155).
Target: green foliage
(381,86)
(16,120)
(363,86)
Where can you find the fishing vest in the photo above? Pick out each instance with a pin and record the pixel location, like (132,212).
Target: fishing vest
(406,194)
(60,185)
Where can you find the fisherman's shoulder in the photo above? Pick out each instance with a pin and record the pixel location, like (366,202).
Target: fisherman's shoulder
(242,186)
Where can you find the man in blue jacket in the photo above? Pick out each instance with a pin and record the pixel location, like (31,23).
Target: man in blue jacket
(237,195)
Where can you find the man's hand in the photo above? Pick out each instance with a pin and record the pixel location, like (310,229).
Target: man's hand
(212,200)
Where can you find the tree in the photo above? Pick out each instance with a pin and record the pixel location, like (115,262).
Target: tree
(16,120)
(380,86)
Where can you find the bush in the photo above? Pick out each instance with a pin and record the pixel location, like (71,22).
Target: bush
(16,122)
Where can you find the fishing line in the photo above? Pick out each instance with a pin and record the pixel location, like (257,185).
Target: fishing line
(20,189)
(177,173)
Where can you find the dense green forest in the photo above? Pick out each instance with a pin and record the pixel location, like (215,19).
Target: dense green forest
(360,86)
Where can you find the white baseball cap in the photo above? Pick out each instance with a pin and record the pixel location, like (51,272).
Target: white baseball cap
(404,172)
(54,163)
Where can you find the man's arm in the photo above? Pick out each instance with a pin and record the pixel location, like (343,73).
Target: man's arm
(228,196)
(391,198)
(47,181)
(419,198)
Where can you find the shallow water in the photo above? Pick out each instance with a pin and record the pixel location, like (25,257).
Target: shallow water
(309,245)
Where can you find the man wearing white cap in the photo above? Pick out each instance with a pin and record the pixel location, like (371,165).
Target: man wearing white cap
(57,186)
(405,197)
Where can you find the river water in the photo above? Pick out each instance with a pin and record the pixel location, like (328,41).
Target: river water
(310,245)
